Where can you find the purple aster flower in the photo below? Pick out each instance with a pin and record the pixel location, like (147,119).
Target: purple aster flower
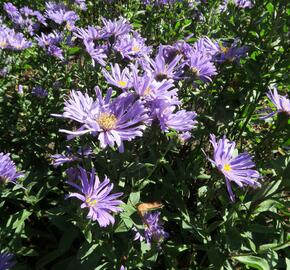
(3,72)
(59,14)
(97,54)
(59,159)
(238,169)
(89,34)
(160,68)
(96,196)
(53,38)
(181,120)
(154,231)
(206,46)
(6,261)
(8,172)
(82,4)
(39,92)
(116,28)
(223,6)
(132,46)
(149,89)
(13,13)
(20,89)
(230,52)
(55,51)
(119,79)
(40,18)
(201,67)
(243,3)
(184,136)
(114,122)
(282,103)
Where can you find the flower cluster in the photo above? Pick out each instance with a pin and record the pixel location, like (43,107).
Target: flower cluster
(11,40)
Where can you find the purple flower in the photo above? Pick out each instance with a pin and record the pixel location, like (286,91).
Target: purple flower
(9,39)
(8,172)
(181,120)
(39,92)
(282,103)
(230,52)
(81,4)
(206,46)
(116,28)
(243,3)
(6,261)
(55,51)
(201,67)
(59,14)
(119,79)
(96,196)
(236,168)
(159,67)
(89,34)
(154,231)
(130,47)
(114,122)
(97,54)
(184,136)
(150,89)
(59,159)
(53,38)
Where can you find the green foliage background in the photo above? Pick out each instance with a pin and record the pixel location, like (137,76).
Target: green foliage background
(207,231)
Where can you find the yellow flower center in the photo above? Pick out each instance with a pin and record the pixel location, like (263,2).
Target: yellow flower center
(122,83)
(224,49)
(195,71)
(90,202)
(136,48)
(227,168)
(3,44)
(107,121)
(147,91)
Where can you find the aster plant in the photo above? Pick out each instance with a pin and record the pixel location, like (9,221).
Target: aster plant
(239,169)
(95,196)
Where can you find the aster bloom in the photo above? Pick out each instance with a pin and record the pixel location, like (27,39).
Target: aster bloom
(112,121)
(238,169)
(89,34)
(8,172)
(132,46)
(39,92)
(96,196)
(97,53)
(206,46)
(150,89)
(243,3)
(282,103)
(6,261)
(53,38)
(201,67)
(230,52)
(60,14)
(82,4)
(160,68)
(115,28)
(154,231)
(121,79)
(180,120)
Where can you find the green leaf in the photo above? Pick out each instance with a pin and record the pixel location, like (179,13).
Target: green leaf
(253,261)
